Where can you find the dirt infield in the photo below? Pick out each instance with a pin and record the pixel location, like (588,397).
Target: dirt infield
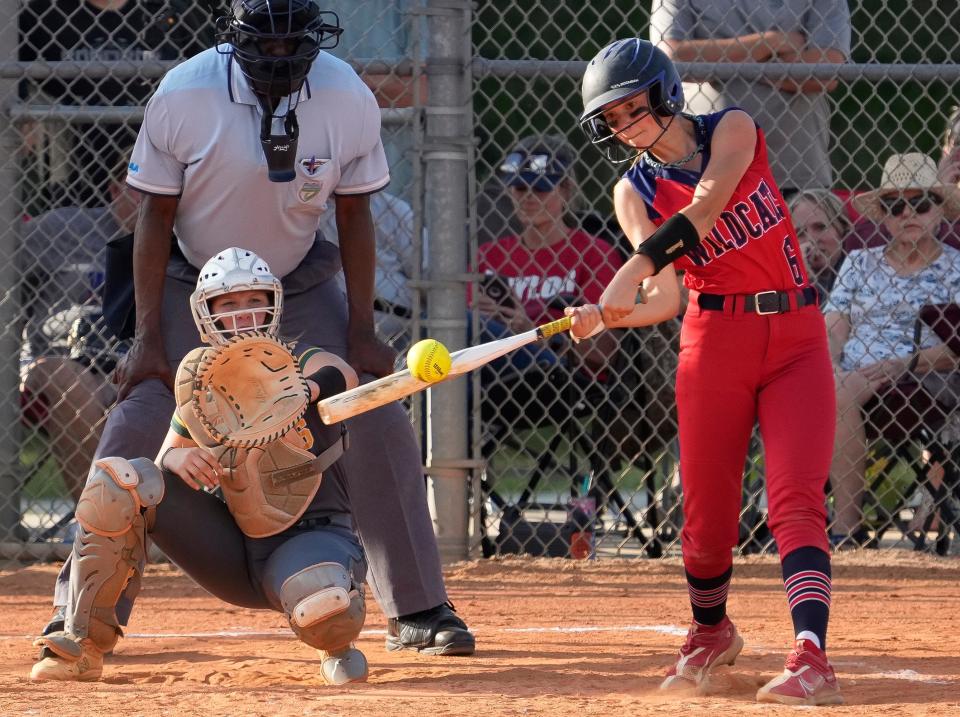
(555,637)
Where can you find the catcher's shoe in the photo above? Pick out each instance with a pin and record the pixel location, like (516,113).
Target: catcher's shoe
(343,666)
(56,621)
(706,647)
(437,631)
(63,658)
(807,679)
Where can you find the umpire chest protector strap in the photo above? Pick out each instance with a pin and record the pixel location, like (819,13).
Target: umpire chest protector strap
(267,488)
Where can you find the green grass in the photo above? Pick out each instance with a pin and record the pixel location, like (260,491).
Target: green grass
(40,470)
(510,467)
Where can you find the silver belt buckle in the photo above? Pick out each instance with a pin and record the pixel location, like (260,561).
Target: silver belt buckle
(756,303)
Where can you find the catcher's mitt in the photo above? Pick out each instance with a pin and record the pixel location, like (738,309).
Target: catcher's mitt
(249,392)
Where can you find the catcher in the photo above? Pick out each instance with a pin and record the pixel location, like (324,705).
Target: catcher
(282,536)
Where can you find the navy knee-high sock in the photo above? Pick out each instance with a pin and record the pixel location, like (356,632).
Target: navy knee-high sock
(806,577)
(708,597)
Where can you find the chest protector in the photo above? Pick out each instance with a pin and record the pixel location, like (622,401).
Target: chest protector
(266,488)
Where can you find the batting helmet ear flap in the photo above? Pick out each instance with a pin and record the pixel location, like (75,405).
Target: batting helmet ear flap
(666,96)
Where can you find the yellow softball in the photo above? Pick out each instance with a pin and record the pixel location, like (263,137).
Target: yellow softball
(428,360)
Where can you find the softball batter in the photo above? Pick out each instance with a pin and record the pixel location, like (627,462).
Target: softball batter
(699,197)
(281,539)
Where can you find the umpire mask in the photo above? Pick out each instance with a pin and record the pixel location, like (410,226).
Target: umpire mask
(275,43)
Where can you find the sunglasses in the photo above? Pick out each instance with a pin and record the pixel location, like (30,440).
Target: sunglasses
(538,172)
(921,204)
(539,164)
(535,187)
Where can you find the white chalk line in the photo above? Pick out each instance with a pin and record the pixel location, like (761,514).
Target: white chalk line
(665,629)
(282,632)
(673,630)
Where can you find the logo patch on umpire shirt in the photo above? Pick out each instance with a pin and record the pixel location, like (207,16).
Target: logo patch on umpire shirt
(311,165)
(308,191)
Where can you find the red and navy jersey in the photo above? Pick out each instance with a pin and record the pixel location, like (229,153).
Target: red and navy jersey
(753,246)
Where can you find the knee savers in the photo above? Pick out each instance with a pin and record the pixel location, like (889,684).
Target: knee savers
(325,609)
(116,494)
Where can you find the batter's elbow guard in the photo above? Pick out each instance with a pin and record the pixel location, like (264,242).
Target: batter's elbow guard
(675,238)
(330,381)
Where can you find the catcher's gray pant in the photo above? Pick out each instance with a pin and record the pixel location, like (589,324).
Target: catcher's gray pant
(383,472)
(211,548)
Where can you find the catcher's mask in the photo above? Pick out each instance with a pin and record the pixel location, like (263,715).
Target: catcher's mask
(230,271)
(274,43)
(620,71)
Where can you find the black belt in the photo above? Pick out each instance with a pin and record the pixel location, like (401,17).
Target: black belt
(339,520)
(762,303)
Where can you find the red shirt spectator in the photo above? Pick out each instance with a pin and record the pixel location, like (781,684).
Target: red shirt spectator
(579,268)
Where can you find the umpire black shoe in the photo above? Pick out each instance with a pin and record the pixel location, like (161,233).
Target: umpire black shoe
(437,631)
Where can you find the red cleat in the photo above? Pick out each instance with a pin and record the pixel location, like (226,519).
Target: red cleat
(807,679)
(706,647)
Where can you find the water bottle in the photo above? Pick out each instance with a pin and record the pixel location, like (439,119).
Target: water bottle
(582,514)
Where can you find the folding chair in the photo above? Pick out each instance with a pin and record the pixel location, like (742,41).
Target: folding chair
(591,418)
(914,414)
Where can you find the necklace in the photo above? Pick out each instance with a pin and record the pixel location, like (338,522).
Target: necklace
(677,163)
(680,162)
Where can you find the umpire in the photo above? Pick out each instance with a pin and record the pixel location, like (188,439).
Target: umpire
(245,143)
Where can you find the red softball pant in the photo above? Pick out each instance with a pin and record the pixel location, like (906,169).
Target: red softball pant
(736,369)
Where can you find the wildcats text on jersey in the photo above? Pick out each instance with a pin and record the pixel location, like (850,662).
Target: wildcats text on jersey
(748,220)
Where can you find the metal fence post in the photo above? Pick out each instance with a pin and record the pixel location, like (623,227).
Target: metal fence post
(9,299)
(446,156)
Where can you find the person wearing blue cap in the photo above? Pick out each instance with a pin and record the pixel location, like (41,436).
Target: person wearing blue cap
(531,276)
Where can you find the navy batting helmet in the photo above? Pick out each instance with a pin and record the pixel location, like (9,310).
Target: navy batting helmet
(276,41)
(623,69)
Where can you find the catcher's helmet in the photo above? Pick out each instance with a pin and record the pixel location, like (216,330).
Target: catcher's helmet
(619,71)
(232,270)
(276,41)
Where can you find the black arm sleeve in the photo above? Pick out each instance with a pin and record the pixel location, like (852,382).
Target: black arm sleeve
(330,380)
(673,239)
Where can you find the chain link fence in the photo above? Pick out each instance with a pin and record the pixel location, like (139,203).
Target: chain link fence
(569,449)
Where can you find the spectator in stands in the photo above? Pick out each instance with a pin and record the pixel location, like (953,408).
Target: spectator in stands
(950,156)
(793,114)
(549,264)
(68,351)
(822,225)
(66,160)
(872,313)
(396,265)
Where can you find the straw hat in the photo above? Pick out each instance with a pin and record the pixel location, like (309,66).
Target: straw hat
(902,172)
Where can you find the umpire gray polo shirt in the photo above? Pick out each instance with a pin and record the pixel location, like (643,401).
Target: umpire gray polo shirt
(200,140)
(796,125)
